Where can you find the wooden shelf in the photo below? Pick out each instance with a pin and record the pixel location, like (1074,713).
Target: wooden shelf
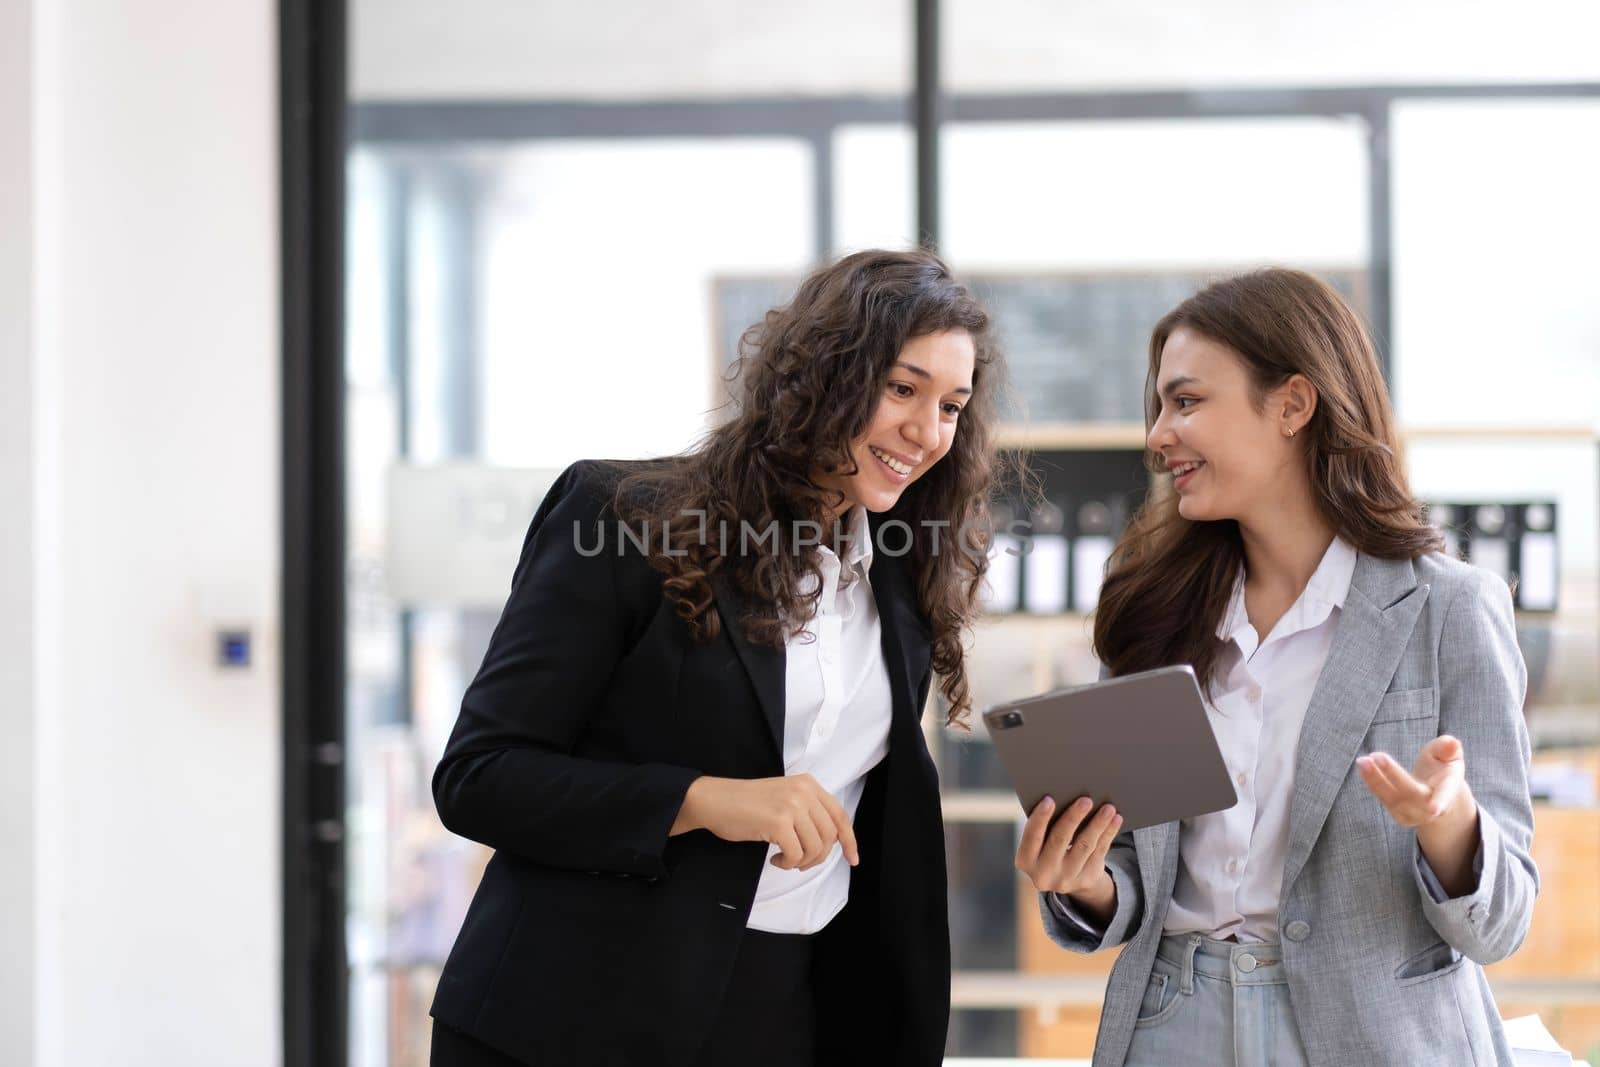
(1501,433)
(1025,618)
(1008,989)
(1011,989)
(1130,436)
(981,805)
(1073,436)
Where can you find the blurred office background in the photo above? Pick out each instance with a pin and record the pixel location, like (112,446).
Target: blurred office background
(541,230)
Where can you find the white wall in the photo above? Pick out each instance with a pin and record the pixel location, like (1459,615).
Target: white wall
(17,899)
(637,49)
(147,474)
(1021,45)
(627,49)
(1061,196)
(569,235)
(1496,223)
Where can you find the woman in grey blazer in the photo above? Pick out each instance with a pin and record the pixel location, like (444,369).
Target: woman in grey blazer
(1366,691)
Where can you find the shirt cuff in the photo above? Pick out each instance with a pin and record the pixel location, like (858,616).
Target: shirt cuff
(1061,907)
(1430,881)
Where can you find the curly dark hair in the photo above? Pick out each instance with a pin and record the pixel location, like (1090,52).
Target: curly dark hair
(810,377)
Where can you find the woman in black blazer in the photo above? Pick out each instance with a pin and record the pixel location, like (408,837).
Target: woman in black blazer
(694,741)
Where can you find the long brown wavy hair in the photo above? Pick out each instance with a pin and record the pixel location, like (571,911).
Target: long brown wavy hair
(1169,580)
(810,377)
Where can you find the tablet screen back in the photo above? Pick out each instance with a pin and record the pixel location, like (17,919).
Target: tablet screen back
(1142,742)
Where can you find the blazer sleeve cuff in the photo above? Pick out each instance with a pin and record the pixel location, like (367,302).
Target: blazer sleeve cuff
(1068,927)
(643,852)
(1460,920)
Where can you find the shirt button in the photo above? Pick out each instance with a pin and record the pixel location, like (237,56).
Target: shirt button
(1298,930)
(1233,866)
(1243,778)
(1254,694)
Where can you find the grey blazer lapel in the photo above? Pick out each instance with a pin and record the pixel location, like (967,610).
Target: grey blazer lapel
(1374,625)
(1157,863)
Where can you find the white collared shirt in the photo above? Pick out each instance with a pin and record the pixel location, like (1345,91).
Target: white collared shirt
(1230,863)
(837,707)
(1230,866)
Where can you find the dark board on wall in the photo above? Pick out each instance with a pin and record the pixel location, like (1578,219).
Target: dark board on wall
(1075,344)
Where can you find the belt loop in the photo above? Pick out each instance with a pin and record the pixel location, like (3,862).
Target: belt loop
(1186,980)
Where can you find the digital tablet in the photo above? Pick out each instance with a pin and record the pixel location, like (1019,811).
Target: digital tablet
(1142,742)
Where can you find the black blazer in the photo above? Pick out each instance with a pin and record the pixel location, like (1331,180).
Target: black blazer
(594,938)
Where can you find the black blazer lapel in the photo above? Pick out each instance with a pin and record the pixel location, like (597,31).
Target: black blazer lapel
(903,631)
(764,665)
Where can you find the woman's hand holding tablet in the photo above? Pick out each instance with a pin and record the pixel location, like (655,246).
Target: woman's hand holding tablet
(1139,746)
(1070,857)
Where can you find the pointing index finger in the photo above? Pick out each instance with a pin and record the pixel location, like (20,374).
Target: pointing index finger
(847,832)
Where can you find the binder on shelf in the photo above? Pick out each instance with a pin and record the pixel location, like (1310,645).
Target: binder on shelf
(1091,547)
(1045,566)
(1538,566)
(1517,541)
(1491,549)
(1002,585)
(1072,504)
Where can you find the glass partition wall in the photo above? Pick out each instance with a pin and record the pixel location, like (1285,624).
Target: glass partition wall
(557,219)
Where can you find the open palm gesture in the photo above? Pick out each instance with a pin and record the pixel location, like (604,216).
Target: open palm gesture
(1435,786)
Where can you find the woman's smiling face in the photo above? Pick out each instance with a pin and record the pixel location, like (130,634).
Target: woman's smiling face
(1228,453)
(914,424)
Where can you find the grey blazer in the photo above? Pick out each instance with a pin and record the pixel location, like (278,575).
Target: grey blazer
(1379,971)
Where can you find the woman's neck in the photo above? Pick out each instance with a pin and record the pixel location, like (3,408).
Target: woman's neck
(1282,553)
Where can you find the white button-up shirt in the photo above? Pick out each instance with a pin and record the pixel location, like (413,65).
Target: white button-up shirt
(1230,865)
(837,707)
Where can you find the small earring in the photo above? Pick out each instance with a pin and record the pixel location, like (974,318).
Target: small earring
(1291,432)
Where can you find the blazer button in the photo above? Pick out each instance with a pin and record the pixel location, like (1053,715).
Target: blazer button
(1298,930)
